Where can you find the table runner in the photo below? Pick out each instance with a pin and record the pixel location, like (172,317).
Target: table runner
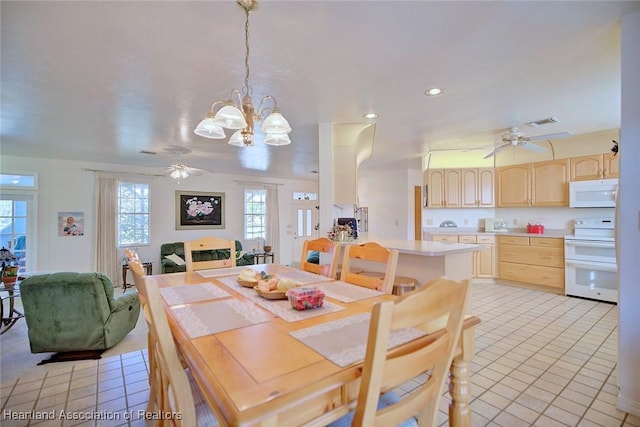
(344,341)
(346,292)
(299,276)
(185,294)
(205,319)
(281,308)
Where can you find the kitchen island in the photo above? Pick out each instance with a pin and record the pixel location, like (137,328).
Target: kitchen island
(424,260)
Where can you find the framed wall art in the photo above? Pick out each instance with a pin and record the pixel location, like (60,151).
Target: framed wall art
(70,223)
(199,210)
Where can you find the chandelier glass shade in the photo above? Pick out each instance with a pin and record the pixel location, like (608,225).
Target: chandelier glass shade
(179,172)
(238,112)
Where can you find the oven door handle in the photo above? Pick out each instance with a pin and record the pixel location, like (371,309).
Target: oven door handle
(593,265)
(610,245)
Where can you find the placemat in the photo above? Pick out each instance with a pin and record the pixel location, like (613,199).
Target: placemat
(217,272)
(185,294)
(218,316)
(344,341)
(281,308)
(346,292)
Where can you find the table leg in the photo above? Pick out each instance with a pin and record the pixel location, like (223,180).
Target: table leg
(460,384)
(12,316)
(125,267)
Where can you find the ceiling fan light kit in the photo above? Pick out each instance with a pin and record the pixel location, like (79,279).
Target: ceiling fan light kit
(238,113)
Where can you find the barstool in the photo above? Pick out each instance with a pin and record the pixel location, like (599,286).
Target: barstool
(401,284)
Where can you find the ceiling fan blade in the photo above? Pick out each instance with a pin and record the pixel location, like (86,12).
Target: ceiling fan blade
(549,136)
(534,147)
(496,150)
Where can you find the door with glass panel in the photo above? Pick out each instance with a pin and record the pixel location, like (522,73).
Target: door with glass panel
(305,222)
(14,220)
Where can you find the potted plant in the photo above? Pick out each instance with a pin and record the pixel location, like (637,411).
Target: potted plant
(10,275)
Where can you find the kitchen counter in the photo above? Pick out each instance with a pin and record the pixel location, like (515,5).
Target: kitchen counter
(424,260)
(468,231)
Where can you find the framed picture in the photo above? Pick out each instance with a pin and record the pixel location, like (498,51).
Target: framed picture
(199,210)
(70,223)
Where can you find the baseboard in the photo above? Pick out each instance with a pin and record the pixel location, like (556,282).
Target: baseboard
(630,406)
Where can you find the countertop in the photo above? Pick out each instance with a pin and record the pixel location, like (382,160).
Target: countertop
(418,247)
(470,231)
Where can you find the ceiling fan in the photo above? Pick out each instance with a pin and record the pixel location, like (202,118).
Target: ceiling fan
(180,171)
(518,139)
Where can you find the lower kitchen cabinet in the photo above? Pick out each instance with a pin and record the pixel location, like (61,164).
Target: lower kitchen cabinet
(533,260)
(483,260)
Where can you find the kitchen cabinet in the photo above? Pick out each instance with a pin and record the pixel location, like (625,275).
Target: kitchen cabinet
(477,188)
(534,184)
(435,179)
(596,166)
(460,188)
(483,260)
(533,260)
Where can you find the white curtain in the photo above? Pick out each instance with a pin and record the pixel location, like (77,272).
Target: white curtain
(107,261)
(273,222)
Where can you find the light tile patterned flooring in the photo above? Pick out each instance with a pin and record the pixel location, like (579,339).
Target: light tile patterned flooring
(541,359)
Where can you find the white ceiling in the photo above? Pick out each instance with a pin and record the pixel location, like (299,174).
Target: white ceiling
(101,81)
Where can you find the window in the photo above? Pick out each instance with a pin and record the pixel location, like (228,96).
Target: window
(13,227)
(255,214)
(133,214)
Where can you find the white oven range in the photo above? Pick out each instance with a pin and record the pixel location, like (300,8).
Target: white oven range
(590,260)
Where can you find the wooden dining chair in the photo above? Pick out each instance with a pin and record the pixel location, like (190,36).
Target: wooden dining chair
(205,246)
(324,246)
(372,252)
(155,393)
(441,299)
(175,390)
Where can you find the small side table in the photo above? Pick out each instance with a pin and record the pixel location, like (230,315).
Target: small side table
(148,267)
(12,315)
(262,255)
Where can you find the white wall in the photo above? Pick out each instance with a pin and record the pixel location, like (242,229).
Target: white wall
(629,220)
(65,186)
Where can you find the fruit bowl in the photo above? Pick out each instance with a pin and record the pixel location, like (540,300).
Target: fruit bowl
(247,283)
(271,294)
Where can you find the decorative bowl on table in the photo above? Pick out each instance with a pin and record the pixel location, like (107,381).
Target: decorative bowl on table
(267,249)
(275,294)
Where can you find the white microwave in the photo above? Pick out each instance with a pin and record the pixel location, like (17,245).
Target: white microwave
(593,194)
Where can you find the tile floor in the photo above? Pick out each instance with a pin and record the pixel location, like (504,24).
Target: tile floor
(541,359)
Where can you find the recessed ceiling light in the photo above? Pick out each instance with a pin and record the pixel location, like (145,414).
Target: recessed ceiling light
(433,91)
(371,116)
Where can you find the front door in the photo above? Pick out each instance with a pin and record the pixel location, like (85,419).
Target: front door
(305,223)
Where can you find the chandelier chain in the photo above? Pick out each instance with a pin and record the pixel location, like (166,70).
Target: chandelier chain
(246,58)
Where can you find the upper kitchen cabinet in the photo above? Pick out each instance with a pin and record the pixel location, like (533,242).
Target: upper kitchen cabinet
(596,166)
(460,188)
(534,184)
(477,188)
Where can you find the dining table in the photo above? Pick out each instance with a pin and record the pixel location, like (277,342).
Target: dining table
(259,362)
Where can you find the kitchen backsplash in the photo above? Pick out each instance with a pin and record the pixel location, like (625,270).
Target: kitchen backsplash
(553,218)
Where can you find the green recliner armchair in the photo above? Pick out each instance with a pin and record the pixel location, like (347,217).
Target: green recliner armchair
(76,311)
(177,248)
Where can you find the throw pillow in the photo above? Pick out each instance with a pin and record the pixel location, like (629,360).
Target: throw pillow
(175,258)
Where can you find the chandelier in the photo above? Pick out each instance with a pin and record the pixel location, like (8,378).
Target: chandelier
(238,113)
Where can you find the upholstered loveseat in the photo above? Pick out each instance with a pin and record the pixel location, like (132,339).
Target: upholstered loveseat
(76,311)
(177,248)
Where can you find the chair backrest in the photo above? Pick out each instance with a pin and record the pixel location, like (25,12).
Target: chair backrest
(385,370)
(131,254)
(176,391)
(209,244)
(322,245)
(372,252)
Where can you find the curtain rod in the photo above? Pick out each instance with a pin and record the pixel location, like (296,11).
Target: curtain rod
(124,173)
(255,182)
